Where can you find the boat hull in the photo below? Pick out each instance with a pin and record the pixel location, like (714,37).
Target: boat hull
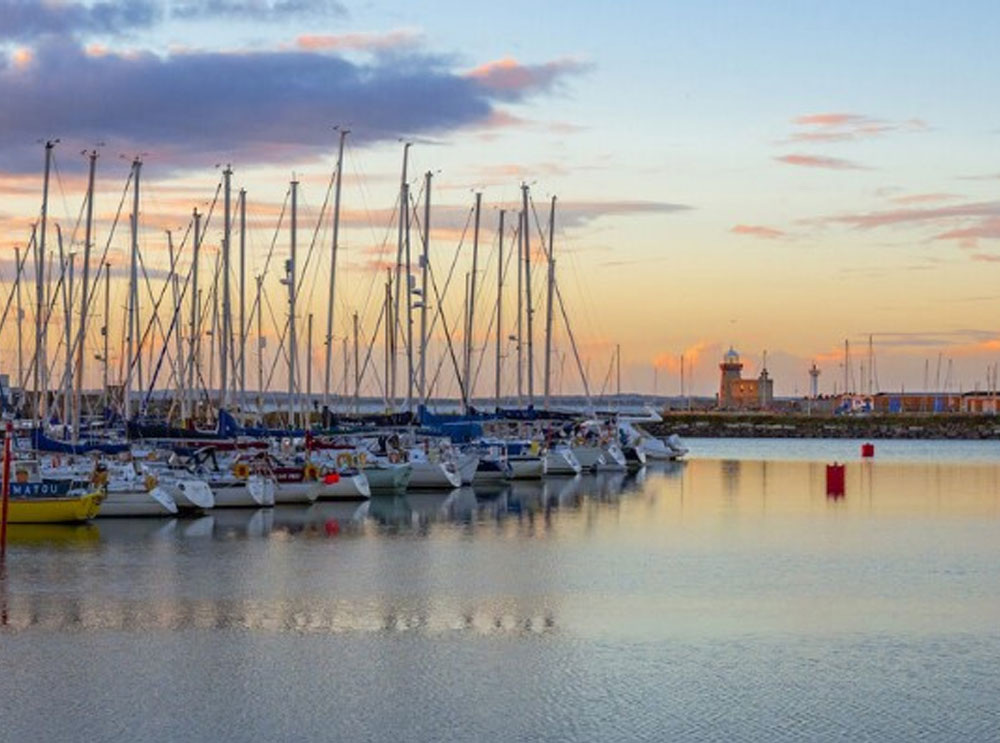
(561,462)
(526,468)
(348,487)
(137,503)
(389,477)
(64,510)
(433,476)
(256,492)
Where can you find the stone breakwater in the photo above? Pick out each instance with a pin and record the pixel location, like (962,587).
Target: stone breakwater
(723,425)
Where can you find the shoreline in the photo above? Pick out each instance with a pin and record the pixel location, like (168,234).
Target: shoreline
(763,425)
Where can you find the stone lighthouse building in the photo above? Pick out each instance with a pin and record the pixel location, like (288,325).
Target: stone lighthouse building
(736,393)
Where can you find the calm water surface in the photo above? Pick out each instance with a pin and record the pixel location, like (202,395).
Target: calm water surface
(727,598)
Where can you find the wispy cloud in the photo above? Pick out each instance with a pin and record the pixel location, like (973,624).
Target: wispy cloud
(28,19)
(758,230)
(869,220)
(844,127)
(24,20)
(361,41)
(257,10)
(509,79)
(924,198)
(819,161)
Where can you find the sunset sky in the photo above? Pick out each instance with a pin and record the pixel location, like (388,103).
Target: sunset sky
(778,176)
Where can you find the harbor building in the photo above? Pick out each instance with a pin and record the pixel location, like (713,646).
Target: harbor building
(737,393)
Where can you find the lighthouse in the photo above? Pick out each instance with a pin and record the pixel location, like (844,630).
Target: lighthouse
(813,381)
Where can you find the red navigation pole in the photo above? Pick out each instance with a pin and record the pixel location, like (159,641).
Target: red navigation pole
(8,435)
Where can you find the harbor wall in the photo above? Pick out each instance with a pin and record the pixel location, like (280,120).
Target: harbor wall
(874,426)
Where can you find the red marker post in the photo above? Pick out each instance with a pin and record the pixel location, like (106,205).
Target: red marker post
(8,435)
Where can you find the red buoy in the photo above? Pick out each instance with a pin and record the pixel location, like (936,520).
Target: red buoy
(868,450)
(835,477)
(332,527)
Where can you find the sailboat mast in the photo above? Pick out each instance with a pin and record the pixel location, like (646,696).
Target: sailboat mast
(387,313)
(309,364)
(333,269)
(404,211)
(409,308)
(20,323)
(260,352)
(194,342)
(84,296)
(471,302)
(176,322)
(40,361)
(227,333)
(67,260)
(357,366)
(106,332)
(496,393)
(527,291)
(520,308)
(291,276)
(424,268)
(242,290)
(548,304)
(618,372)
(133,294)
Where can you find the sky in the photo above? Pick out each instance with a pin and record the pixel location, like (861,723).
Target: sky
(777,176)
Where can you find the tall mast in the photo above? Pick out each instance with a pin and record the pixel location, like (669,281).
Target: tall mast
(409,307)
(67,260)
(404,218)
(618,372)
(527,292)
(347,368)
(291,275)
(260,352)
(40,360)
(333,269)
(309,364)
(176,322)
(242,290)
(387,313)
(548,303)
(194,345)
(227,333)
(105,333)
(84,296)
(424,268)
(133,293)
(471,303)
(357,367)
(499,310)
(214,332)
(20,323)
(520,308)
(847,364)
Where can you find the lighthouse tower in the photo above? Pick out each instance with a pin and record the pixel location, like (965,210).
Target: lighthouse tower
(731,368)
(814,381)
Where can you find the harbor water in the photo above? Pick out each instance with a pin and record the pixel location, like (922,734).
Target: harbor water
(724,598)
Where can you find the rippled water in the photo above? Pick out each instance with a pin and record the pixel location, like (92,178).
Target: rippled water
(724,599)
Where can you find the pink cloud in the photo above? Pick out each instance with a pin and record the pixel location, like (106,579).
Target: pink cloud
(828,119)
(841,127)
(905,216)
(820,161)
(758,230)
(924,198)
(509,76)
(360,41)
(969,237)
